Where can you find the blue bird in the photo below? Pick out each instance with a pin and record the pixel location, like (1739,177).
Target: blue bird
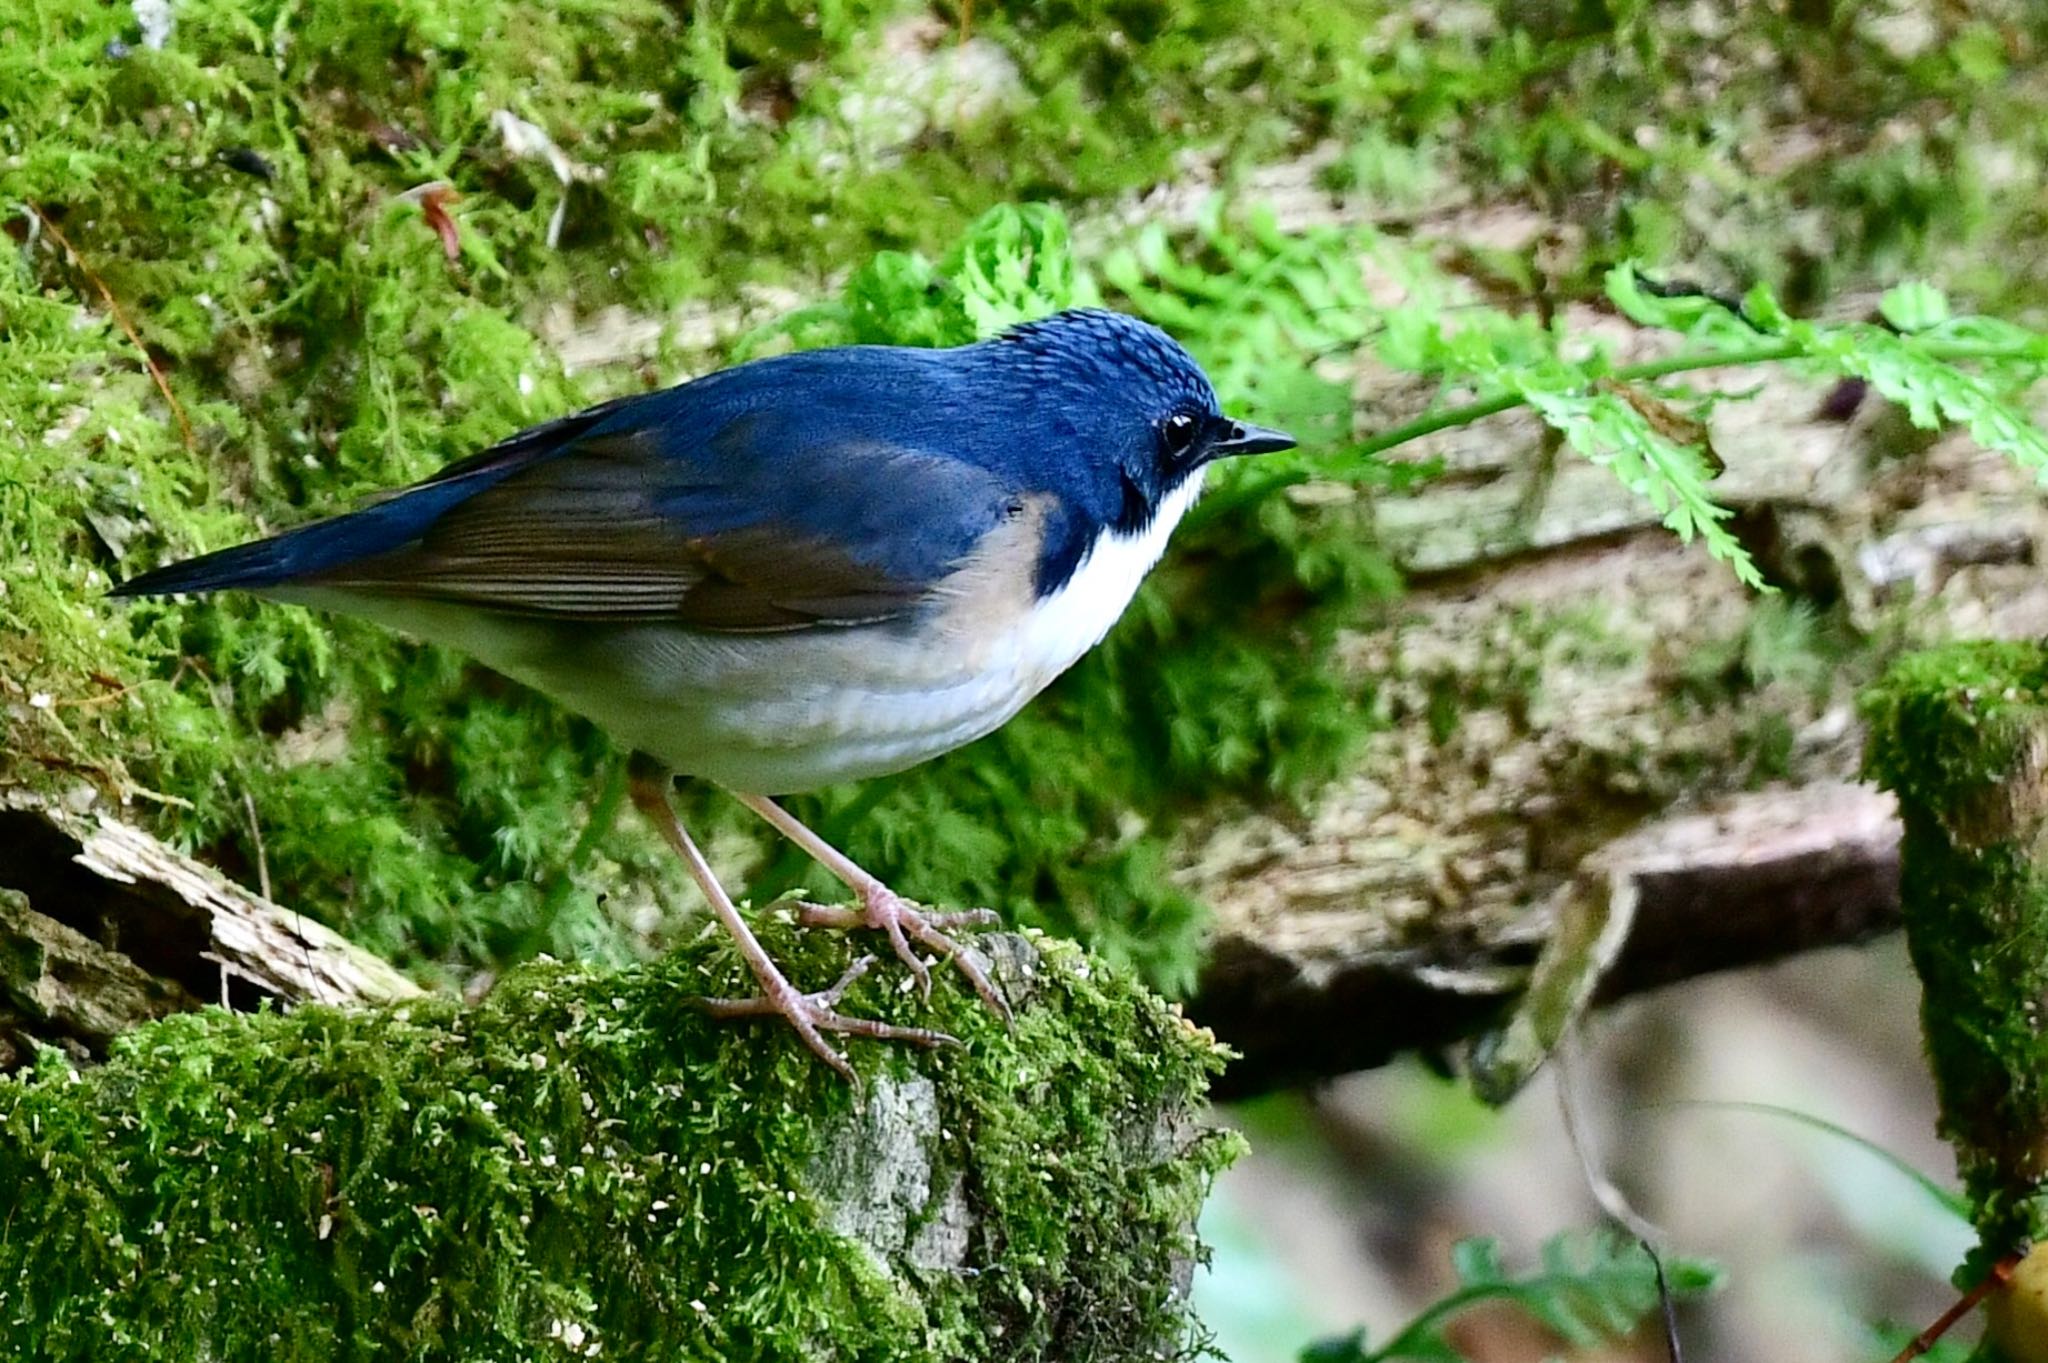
(801,570)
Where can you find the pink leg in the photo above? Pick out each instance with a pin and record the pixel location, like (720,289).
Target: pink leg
(884,909)
(811,1014)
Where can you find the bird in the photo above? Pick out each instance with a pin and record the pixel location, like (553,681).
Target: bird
(810,568)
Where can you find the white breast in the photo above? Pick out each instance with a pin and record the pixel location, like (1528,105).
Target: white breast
(1062,627)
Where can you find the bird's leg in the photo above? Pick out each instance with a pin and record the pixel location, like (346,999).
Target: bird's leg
(882,908)
(811,1014)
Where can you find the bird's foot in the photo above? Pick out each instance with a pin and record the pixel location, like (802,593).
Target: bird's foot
(813,1015)
(886,911)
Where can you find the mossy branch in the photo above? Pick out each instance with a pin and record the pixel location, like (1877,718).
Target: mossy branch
(1960,735)
(582,1163)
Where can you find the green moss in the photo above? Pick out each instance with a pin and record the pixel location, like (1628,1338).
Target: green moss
(583,1149)
(1790,657)
(1960,735)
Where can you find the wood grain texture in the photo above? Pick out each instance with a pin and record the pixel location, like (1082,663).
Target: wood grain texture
(103,927)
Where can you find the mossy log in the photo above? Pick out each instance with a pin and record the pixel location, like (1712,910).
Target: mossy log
(1961,735)
(581,1165)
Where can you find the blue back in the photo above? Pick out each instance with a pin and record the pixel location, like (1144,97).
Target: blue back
(854,475)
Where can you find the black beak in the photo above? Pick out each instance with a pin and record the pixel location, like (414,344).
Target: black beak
(1241,437)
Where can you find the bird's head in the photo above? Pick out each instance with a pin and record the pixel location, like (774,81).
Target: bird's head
(1121,394)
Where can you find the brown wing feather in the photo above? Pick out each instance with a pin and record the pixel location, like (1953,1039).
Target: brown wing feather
(580,538)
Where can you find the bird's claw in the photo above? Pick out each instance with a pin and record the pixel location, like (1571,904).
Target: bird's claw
(815,1014)
(904,922)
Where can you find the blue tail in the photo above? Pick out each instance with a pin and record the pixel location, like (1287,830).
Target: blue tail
(356,535)
(308,550)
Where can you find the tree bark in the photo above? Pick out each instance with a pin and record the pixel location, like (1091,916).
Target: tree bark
(1570,694)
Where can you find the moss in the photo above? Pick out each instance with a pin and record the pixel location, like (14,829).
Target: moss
(1792,658)
(1960,735)
(582,1157)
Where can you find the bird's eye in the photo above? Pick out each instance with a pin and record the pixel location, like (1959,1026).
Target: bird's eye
(1178,433)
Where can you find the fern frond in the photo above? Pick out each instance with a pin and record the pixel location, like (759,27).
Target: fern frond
(1915,358)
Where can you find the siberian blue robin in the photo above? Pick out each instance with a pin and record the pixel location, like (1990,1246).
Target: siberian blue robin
(808,569)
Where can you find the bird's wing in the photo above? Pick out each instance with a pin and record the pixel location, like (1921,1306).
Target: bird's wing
(764,525)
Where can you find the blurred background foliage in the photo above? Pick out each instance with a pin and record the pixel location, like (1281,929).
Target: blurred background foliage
(357,240)
(1834,1245)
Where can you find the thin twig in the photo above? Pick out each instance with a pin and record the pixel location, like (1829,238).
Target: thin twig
(91,702)
(1605,1192)
(262,860)
(1667,1301)
(1999,1276)
(121,319)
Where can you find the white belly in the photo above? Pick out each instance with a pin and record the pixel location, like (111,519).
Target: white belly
(774,713)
